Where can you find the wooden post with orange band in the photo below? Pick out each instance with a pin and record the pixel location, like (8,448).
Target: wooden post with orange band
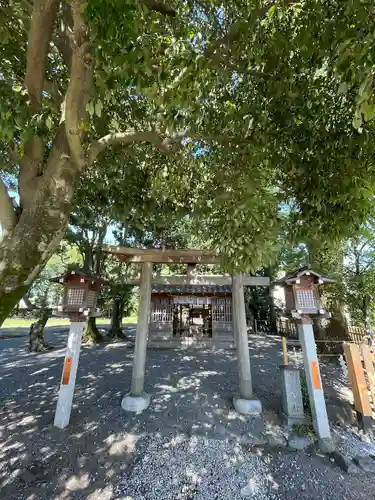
(359,387)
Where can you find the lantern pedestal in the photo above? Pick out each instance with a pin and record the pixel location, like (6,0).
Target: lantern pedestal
(68,379)
(135,403)
(313,380)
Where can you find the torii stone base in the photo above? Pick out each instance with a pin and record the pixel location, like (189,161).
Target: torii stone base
(247,406)
(135,403)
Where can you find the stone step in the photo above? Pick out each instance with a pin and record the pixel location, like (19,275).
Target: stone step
(191,343)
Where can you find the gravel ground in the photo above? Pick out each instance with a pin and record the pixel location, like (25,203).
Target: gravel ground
(188,444)
(202,468)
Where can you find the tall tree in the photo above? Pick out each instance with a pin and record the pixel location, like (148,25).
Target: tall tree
(233,89)
(359,276)
(55,73)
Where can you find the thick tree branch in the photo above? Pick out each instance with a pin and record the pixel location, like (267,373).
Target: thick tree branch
(31,166)
(164,145)
(8,218)
(80,84)
(61,43)
(124,139)
(59,151)
(42,19)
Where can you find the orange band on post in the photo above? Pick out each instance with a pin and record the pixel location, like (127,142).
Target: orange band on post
(66,371)
(317,383)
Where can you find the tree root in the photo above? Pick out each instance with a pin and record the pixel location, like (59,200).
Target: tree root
(91,335)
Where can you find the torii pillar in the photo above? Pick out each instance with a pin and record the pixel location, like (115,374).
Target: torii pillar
(246,403)
(137,399)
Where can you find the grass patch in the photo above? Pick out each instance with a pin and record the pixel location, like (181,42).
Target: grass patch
(26,323)
(129,319)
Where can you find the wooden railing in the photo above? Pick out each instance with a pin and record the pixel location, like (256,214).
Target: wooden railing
(288,327)
(361,374)
(357,334)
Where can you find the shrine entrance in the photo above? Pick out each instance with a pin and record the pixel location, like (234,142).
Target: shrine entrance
(192,320)
(186,303)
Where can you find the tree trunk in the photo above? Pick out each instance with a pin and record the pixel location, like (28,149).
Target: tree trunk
(45,181)
(115,331)
(27,247)
(273,316)
(88,258)
(336,329)
(365,303)
(91,334)
(36,334)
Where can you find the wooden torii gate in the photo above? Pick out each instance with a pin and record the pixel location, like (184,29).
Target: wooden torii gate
(137,399)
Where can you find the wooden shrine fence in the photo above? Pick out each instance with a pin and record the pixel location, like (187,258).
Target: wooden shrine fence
(288,328)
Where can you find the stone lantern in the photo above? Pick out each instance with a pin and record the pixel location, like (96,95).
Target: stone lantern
(303,303)
(302,295)
(81,290)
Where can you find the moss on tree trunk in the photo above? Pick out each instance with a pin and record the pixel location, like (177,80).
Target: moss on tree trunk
(91,335)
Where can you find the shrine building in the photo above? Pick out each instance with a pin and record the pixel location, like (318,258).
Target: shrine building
(188,308)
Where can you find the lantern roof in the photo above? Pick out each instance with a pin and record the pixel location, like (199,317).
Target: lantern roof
(292,277)
(81,273)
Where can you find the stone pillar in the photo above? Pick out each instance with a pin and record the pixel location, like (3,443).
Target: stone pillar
(68,379)
(234,324)
(313,380)
(137,399)
(246,403)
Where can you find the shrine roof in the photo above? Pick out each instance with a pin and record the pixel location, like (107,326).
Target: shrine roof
(86,275)
(292,277)
(191,289)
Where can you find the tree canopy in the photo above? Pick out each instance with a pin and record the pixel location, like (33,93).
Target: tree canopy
(233,112)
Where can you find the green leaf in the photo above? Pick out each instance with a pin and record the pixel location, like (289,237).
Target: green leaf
(368,111)
(357,120)
(343,89)
(49,122)
(98,108)
(90,108)
(272,11)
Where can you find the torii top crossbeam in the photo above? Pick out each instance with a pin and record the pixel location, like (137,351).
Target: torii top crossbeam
(164,256)
(170,256)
